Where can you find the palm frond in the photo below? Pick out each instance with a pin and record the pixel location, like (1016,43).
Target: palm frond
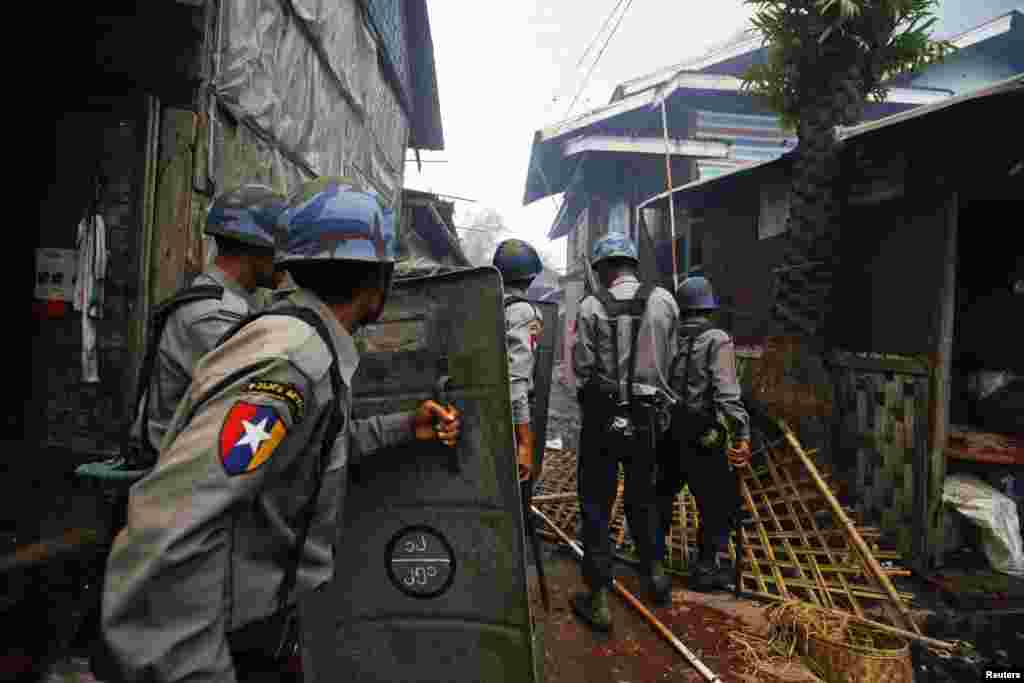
(812,40)
(848,9)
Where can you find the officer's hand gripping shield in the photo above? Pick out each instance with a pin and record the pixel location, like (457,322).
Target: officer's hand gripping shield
(430,575)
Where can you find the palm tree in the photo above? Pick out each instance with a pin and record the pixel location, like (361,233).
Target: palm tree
(825,59)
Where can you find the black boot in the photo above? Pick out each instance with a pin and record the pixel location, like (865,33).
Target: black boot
(710,574)
(707,578)
(592,608)
(660,585)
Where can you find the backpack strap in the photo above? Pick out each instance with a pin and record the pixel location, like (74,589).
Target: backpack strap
(708,391)
(639,307)
(634,308)
(689,355)
(335,422)
(154,333)
(611,308)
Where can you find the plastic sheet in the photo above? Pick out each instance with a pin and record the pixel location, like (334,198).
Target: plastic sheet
(996,516)
(309,83)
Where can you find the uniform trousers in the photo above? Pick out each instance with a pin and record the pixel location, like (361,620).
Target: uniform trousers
(597,475)
(714,486)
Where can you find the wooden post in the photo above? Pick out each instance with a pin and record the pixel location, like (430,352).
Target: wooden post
(172,243)
(920,559)
(935,471)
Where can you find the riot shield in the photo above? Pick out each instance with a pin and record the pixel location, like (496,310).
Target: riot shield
(544,363)
(430,575)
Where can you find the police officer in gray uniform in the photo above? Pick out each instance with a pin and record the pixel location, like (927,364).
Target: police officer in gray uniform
(608,400)
(519,264)
(242,224)
(238,519)
(710,433)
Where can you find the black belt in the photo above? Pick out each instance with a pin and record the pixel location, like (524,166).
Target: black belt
(609,392)
(263,635)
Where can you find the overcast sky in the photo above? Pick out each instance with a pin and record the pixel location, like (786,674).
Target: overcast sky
(506,69)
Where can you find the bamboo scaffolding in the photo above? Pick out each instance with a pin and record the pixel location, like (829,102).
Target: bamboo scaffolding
(799,542)
(858,541)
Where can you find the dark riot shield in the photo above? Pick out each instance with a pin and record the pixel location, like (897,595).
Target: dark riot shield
(430,575)
(544,363)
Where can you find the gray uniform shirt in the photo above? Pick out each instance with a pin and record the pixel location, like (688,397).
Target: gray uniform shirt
(189,334)
(725,387)
(523,325)
(656,343)
(208,528)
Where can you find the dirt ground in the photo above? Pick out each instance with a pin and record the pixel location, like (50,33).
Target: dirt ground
(635,652)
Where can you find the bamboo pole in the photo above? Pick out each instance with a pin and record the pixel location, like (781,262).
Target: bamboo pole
(671,201)
(707,673)
(554,497)
(941,644)
(43,551)
(858,542)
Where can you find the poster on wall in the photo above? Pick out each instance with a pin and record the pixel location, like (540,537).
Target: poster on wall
(55,274)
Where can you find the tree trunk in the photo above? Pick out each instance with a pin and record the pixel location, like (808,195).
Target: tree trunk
(804,288)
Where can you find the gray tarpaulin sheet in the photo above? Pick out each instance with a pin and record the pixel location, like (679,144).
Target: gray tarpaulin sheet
(305,76)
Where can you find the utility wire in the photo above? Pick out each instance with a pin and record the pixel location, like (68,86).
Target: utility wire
(586,79)
(607,40)
(476,229)
(593,41)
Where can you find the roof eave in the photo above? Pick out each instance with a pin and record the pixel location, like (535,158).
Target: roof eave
(990,29)
(1014,83)
(656,78)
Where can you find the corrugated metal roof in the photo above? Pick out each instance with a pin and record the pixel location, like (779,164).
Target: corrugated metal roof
(1008,86)
(1016,83)
(748,41)
(547,173)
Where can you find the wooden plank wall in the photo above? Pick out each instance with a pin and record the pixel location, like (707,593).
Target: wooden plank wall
(174,255)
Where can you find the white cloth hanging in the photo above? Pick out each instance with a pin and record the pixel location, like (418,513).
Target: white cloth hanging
(89,289)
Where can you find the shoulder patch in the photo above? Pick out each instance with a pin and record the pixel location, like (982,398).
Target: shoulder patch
(248,438)
(283,392)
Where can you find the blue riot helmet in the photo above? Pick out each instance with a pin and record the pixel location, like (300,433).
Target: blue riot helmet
(695,294)
(247,214)
(517,261)
(613,245)
(338,219)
